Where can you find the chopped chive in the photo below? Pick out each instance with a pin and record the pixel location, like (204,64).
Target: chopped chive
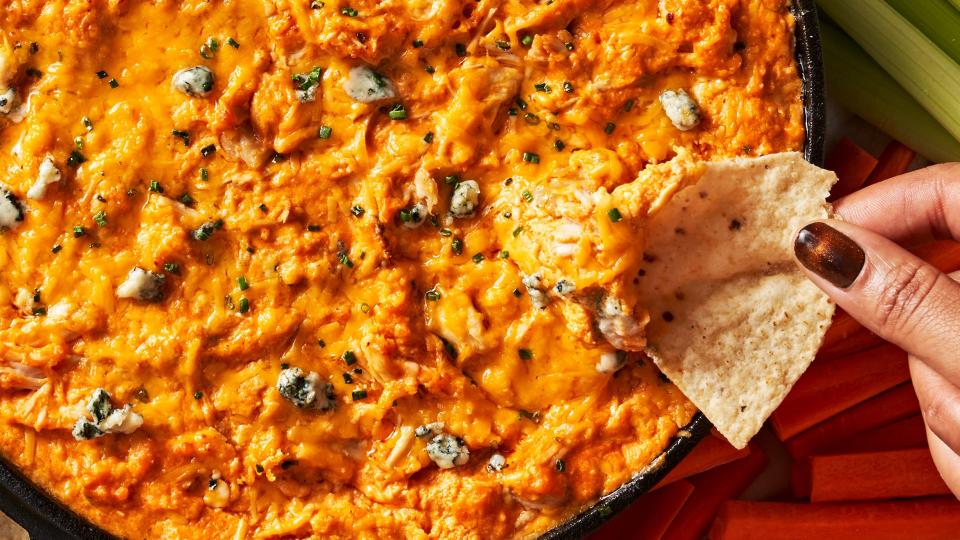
(348,11)
(347,378)
(56,249)
(208,150)
(517,293)
(531,157)
(446,232)
(171,268)
(527,40)
(614,215)
(432,295)
(531,118)
(628,105)
(522,104)
(460,49)
(559,145)
(504,254)
(156,187)
(428,138)
(608,129)
(518,230)
(113,83)
(451,180)
(450,349)
(357,211)
(244,305)
(417,44)
(100,218)
(478,258)
(349,358)
(525,354)
(87,123)
(183,136)
(76,158)
(568,87)
(553,126)
(508,181)
(79,231)
(527,196)
(359,394)
(405,215)
(561,465)
(204,174)
(102,74)
(233,43)
(503,45)
(568,45)
(512,111)
(542,87)
(313,228)
(457,246)
(186,199)
(344,259)
(39,311)
(365,307)
(263,208)
(197,395)
(242,283)
(324,132)
(398,112)
(430,69)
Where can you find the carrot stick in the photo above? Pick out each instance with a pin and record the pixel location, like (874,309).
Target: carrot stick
(649,516)
(892,405)
(943,254)
(710,490)
(712,451)
(921,519)
(889,406)
(842,326)
(875,475)
(852,164)
(858,341)
(894,161)
(833,385)
(905,433)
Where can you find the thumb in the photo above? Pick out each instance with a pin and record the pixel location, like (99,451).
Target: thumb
(889,290)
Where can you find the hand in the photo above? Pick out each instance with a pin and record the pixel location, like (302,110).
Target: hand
(858,262)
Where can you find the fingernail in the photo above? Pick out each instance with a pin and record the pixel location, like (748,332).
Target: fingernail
(829,253)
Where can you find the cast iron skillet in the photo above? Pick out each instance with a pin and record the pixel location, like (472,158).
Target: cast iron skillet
(45,518)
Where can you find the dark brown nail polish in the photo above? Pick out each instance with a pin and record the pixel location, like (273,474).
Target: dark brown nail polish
(829,253)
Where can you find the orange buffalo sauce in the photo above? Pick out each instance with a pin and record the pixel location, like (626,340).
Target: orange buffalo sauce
(365,272)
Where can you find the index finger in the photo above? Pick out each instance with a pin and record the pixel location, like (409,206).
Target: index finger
(910,209)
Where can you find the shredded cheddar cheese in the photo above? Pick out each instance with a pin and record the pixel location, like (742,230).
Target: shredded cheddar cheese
(352,269)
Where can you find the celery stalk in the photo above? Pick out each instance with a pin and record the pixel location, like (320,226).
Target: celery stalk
(925,71)
(956,3)
(858,83)
(937,19)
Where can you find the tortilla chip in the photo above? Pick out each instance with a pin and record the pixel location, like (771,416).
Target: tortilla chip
(734,322)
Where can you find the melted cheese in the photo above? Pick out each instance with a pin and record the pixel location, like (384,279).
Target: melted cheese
(306,193)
